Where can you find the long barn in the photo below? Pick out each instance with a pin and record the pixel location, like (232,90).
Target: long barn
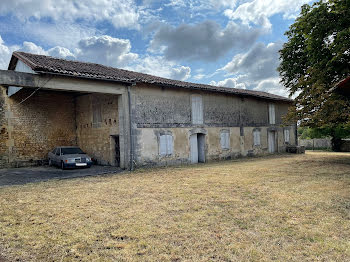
(129,119)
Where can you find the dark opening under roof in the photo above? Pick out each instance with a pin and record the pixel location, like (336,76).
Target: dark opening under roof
(50,65)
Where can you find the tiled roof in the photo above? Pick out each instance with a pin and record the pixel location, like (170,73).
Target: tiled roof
(50,65)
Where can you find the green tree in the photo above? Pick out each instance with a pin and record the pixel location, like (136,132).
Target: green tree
(316,57)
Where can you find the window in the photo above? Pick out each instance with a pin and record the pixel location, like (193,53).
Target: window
(72,151)
(286,136)
(272,116)
(96,113)
(197,110)
(225,139)
(58,152)
(166,145)
(256,135)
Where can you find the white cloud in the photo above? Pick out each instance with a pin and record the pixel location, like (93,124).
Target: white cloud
(121,13)
(62,33)
(229,82)
(202,4)
(255,69)
(260,62)
(61,52)
(199,76)
(181,73)
(252,11)
(205,41)
(5,54)
(106,50)
(272,85)
(30,47)
(158,66)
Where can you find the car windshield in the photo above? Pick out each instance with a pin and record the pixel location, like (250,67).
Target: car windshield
(71,151)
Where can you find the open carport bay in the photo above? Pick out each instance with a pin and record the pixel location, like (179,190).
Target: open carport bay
(24,175)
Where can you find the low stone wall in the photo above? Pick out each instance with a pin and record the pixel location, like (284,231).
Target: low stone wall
(317,143)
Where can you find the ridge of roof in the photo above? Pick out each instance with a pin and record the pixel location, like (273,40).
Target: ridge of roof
(72,68)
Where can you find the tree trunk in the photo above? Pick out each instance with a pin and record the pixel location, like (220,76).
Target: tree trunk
(336,144)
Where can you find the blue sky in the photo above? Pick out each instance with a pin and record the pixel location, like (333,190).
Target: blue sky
(229,43)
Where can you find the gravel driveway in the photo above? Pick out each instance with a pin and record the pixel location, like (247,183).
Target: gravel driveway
(24,175)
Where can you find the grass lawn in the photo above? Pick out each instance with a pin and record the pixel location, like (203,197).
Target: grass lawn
(283,208)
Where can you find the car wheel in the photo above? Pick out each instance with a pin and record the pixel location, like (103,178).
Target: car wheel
(63,166)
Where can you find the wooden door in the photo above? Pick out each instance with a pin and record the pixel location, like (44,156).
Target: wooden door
(271,140)
(117,150)
(194,149)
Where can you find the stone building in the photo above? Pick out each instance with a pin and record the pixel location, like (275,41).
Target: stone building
(130,119)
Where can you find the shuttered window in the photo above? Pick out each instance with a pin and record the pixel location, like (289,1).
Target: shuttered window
(96,113)
(197,110)
(286,135)
(225,139)
(166,145)
(272,115)
(257,135)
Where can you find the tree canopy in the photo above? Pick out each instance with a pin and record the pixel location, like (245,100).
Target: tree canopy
(313,60)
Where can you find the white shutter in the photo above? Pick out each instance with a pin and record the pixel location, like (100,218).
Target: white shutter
(166,145)
(286,135)
(169,145)
(222,140)
(272,115)
(162,145)
(256,134)
(225,140)
(197,110)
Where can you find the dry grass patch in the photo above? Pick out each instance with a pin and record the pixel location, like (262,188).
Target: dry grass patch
(294,207)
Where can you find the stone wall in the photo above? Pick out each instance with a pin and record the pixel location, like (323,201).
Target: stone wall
(317,143)
(29,130)
(96,139)
(4,134)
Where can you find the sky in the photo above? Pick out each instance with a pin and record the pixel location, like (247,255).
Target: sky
(231,43)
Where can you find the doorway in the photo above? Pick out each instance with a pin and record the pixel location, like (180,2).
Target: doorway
(197,148)
(272,141)
(116,150)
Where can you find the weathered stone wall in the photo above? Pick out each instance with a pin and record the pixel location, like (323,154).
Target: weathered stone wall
(3,129)
(317,143)
(32,128)
(158,110)
(96,139)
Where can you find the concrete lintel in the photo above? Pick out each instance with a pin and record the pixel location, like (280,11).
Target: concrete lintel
(62,83)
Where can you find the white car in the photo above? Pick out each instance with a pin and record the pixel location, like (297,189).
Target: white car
(69,157)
